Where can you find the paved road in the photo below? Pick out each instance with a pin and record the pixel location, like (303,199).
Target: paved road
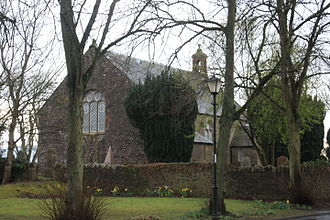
(321,215)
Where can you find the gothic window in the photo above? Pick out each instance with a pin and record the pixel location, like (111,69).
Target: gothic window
(94,113)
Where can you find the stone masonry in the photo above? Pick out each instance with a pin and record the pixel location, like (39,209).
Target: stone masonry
(124,140)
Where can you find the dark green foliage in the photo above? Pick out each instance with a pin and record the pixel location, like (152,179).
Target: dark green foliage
(18,169)
(281,149)
(312,137)
(164,109)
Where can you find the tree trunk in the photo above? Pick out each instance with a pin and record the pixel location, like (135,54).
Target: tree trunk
(294,149)
(75,156)
(227,116)
(291,98)
(10,152)
(74,61)
(222,149)
(262,153)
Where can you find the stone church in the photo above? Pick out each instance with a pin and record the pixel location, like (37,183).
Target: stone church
(109,136)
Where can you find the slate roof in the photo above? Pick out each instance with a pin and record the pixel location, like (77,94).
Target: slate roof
(138,69)
(202,139)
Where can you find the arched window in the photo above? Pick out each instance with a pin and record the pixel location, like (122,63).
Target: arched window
(94,113)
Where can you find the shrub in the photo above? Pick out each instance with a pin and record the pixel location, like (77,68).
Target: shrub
(18,169)
(164,109)
(92,207)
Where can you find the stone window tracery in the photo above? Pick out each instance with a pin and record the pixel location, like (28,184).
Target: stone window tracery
(94,113)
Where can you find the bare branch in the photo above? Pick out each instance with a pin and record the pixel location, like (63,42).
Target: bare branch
(91,22)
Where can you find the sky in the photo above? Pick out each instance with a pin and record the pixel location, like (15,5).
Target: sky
(143,52)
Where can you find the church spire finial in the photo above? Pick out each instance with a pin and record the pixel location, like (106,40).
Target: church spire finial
(94,44)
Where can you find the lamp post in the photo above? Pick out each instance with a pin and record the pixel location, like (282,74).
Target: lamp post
(213,84)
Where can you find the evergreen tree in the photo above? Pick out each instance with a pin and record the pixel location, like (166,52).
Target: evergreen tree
(164,109)
(312,137)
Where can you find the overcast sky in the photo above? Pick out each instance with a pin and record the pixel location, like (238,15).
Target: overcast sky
(163,49)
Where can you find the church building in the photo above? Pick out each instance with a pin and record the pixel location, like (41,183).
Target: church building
(109,136)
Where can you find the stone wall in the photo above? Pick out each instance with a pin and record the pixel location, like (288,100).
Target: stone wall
(267,183)
(139,177)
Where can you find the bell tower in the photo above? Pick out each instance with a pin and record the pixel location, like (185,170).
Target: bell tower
(199,61)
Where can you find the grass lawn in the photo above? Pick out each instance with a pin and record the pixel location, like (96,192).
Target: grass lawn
(16,208)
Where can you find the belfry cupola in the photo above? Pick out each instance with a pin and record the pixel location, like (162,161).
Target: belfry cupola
(199,61)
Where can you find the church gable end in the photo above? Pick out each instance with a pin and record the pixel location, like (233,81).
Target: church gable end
(110,129)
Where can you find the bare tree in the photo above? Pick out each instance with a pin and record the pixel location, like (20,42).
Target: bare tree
(38,88)
(294,69)
(218,29)
(134,26)
(22,62)
(297,32)
(6,24)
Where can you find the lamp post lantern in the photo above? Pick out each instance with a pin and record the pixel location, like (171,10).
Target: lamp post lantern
(213,84)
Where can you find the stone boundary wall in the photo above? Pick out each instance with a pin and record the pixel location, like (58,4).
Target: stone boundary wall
(267,183)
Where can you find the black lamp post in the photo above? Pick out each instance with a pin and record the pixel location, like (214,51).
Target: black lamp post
(213,84)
